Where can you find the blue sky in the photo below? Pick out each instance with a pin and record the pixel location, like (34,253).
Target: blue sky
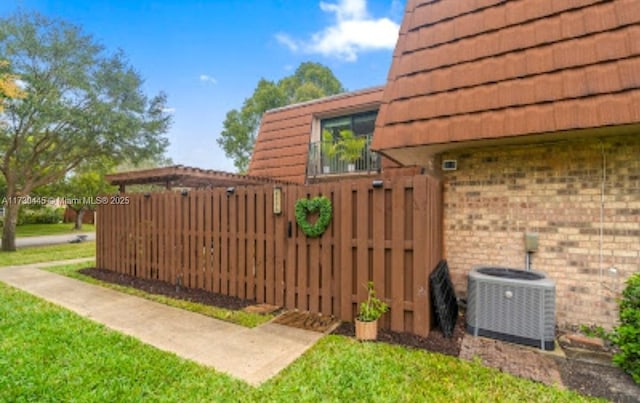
(209,55)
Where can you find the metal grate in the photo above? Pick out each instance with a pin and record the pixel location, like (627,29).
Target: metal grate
(443,297)
(319,164)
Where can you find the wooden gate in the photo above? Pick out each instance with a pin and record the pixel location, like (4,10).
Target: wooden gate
(232,243)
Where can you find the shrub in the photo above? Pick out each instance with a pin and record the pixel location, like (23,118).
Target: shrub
(627,335)
(48,215)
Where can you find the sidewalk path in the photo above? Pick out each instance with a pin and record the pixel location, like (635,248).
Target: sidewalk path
(253,355)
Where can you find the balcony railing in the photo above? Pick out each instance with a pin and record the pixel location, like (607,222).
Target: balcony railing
(320,164)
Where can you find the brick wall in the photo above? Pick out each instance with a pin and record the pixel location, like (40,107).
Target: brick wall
(581,196)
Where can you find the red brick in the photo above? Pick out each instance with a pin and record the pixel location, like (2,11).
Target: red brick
(585,341)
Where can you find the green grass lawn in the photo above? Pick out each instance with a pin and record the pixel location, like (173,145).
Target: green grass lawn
(48,253)
(50,354)
(28,230)
(237,317)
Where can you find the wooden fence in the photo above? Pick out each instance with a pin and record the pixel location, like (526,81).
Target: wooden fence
(235,245)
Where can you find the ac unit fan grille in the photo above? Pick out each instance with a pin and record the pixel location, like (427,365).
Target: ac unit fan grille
(521,311)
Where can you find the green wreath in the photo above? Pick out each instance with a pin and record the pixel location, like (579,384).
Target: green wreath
(305,206)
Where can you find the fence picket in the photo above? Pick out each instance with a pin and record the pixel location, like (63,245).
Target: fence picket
(290,264)
(397,257)
(347,270)
(217,242)
(260,244)
(326,266)
(361,209)
(279,240)
(270,247)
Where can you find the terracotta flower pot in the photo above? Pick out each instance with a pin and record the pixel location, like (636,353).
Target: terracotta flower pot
(366,330)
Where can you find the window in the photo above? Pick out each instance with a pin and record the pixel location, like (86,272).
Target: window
(362,124)
(332,154)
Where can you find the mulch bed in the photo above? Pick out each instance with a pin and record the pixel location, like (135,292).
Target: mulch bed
(596,380)
(169,290)
(586,378)
(435,342)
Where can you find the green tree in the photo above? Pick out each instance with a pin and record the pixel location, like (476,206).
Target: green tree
(310,81)
(81,190)
(80,105)
(8,86)
(159,161)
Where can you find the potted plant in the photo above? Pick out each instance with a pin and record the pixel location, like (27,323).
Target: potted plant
(370,311)
(350,148)
(329,151)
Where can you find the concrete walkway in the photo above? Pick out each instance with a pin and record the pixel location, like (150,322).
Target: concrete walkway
(253,355)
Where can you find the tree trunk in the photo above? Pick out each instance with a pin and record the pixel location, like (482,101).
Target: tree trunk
(10,223)
(79,216)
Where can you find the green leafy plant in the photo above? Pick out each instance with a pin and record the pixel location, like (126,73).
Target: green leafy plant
(304,207)
(372,308)
(627,335)
(329,145)
(329,148)
(594,331)
(350,146)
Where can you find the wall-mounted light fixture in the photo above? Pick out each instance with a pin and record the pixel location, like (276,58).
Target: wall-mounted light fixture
(147,195)
(277,200)
(377,183)
(231,190)
(184,192)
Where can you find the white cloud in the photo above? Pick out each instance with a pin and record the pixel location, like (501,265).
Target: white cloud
(208,79)
(346,9)
(170,111)
(354,31)
(287,41)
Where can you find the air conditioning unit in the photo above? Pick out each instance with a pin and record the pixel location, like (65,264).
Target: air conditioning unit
(512,305)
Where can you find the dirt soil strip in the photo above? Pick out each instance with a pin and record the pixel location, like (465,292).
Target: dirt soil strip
(169,290)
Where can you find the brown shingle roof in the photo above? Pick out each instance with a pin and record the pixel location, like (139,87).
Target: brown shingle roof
(282,144)
(486,69)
